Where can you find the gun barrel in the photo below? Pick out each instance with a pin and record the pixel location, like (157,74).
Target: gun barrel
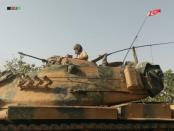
(98,58)
(21,53)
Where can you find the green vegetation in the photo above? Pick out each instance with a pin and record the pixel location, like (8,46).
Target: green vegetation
(167,95)
(18,67)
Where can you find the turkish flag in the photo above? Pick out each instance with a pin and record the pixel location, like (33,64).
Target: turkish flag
(154,12)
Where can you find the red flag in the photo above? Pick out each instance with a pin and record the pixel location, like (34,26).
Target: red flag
(154,12)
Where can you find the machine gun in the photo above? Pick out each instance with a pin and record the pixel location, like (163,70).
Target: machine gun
(43,60)
(134,47)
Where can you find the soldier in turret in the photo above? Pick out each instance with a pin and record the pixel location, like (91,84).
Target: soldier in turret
(80,53)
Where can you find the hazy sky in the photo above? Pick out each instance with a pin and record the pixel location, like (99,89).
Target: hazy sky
(51,27)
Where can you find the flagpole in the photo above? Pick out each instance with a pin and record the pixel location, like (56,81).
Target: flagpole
(135,38)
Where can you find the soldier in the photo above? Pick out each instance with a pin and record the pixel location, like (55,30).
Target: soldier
(80,53)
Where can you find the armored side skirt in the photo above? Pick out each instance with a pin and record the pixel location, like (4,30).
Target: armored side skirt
(62,112)
(134,111)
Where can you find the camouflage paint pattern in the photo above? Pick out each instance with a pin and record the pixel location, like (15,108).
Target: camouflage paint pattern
(78,83)
(61,112)
(147,111)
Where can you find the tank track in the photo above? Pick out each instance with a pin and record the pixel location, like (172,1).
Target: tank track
(86,125)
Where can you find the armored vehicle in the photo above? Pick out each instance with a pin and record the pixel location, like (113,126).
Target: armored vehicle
(69,93)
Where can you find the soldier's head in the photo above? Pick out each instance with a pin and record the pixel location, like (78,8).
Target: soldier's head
(78,48)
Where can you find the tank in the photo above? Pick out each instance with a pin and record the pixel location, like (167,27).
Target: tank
(69,93)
